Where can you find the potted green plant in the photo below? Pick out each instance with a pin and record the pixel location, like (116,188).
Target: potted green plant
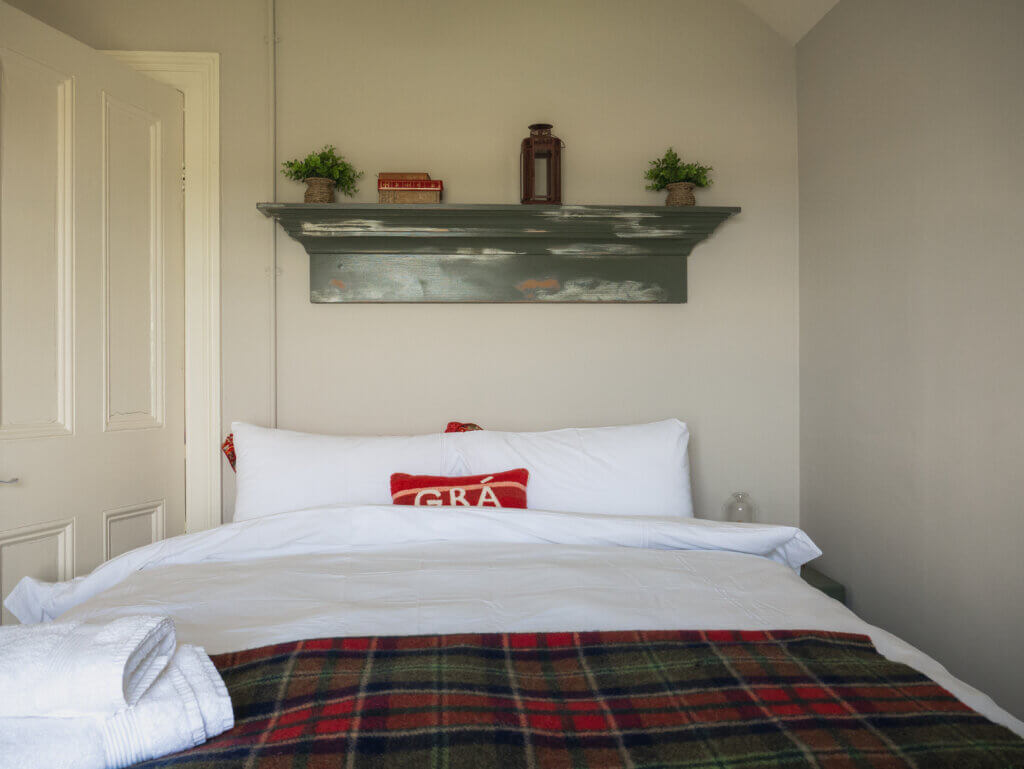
(323,172)
(679,178)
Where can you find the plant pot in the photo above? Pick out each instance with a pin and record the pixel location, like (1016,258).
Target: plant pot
(681,194)
(319,190)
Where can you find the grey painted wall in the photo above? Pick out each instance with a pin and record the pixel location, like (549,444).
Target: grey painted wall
(912,322)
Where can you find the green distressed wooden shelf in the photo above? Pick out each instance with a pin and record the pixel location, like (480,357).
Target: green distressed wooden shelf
(496,253)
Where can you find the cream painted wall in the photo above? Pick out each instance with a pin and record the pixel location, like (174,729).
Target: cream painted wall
(790,18)
(450,86)
(912,322)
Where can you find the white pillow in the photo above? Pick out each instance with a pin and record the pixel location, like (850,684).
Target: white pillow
(281,470)
(629,470)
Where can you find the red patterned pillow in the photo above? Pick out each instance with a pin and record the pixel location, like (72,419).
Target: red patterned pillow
(462,427)
(507,489)
(228,447)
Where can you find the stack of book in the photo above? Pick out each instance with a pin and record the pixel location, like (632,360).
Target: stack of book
(408,187)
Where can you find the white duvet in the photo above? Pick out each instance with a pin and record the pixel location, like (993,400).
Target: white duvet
(393,570)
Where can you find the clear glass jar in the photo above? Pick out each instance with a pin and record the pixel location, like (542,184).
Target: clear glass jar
(740,508)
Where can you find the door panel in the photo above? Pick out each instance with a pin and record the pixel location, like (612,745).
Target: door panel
(133,323)
(129,527)
(36,121)
(45,552)
(91,306)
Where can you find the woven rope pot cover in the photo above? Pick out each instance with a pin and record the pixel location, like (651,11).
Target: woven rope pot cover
(319,190)
(680,194)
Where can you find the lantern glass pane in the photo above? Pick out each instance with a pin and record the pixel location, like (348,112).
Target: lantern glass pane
(540,177)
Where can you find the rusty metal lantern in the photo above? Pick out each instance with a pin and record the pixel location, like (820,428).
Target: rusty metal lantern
(541,156)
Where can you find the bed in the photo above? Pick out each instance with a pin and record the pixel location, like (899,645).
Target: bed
(385,635)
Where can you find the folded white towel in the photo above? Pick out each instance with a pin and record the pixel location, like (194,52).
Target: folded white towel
(72,669)
(185,706)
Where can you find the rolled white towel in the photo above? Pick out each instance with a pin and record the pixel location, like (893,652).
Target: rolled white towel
(190,693)
(186,705)
(71,669)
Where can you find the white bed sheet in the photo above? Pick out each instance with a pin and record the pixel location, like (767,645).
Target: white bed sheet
(393,571)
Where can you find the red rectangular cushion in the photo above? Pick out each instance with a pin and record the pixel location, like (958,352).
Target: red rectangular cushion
(507,489)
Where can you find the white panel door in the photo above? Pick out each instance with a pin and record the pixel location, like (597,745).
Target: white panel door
(91,306)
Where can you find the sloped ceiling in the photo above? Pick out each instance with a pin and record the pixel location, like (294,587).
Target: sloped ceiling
(790,18)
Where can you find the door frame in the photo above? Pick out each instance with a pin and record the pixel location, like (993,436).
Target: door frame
(197,76)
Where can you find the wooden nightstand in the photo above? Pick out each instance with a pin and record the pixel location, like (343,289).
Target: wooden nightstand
(825,584)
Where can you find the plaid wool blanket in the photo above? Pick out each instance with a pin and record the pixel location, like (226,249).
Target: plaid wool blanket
(688,699)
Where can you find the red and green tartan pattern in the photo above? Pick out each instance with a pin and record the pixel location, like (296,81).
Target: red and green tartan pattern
(687,699)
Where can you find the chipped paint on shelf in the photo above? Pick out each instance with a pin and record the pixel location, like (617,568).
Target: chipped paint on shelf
(501,253)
